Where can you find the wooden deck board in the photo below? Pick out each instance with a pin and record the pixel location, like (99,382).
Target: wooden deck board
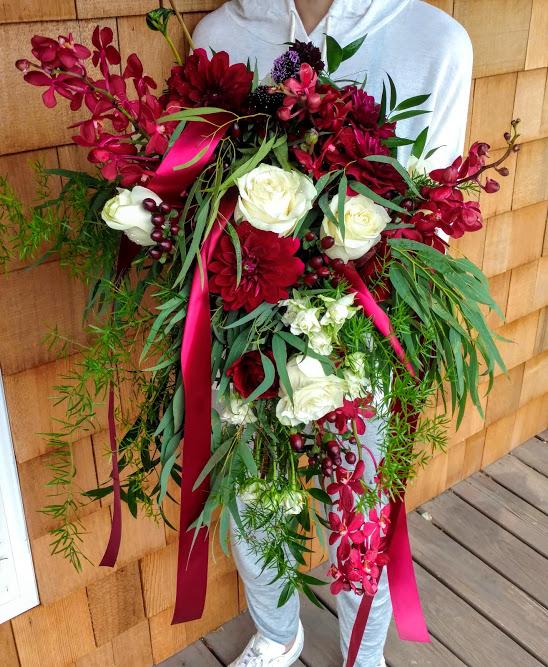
(481,566)
(509,511)
(501,550)
(495,597)
(467,634)
(521,480)
(196,655)
(534,453)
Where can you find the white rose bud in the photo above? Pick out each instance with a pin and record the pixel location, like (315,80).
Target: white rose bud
(273,199)
(354,374)
(314,393)
(125,213)
(363,223)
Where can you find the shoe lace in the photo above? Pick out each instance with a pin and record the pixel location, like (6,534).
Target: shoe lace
(252,658)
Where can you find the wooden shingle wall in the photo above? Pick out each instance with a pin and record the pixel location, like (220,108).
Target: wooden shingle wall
(102,618)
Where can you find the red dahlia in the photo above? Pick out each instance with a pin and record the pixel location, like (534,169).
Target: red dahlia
(201,82)
(269,268)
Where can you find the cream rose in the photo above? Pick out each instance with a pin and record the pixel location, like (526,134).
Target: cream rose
(273,199)
(314,393)
(337,310)
(125,213)
(363,223)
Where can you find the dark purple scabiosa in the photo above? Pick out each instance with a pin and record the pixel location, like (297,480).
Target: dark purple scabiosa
(285,66)
(265,99)
(308,53)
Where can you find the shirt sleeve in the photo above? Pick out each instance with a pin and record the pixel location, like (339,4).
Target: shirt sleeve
(447,128)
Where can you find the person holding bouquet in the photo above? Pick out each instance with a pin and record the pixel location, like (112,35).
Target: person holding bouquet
(422,48)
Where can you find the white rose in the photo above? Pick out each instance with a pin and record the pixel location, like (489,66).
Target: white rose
(321,342)
(363,223)
(314,393)
(338,310)
(125,213)
(273,199)
(236,412)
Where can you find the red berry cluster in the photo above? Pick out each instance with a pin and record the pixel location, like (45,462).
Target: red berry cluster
(320,265)
(166,227)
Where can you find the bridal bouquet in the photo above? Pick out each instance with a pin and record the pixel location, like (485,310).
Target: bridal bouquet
(260,238)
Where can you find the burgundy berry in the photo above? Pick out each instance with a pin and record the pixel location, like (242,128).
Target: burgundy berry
(158,219)
(174,229)
(407,204)
(337,264)
(333,446)
(149,204)
(164,208)
(315,262)
(352,439)
(503,171)
(327,242)
(323,272)
(166,245)
(310,236)
(155,253)
(296,441)
(337,460)
(350,457)
(310,279)
(157,235)
(331,417)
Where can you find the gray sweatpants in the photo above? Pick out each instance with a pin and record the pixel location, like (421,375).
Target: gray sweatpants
(280,623)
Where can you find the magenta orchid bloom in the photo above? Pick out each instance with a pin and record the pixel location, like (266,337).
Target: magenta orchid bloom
(349,527)
(347,484)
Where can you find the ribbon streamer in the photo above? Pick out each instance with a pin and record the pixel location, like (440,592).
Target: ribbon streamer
(196,449)
(198,138)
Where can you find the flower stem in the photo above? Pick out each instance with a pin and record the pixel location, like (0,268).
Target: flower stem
(181,20)
(173,48)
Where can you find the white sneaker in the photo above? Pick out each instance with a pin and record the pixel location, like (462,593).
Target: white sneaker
(264,652)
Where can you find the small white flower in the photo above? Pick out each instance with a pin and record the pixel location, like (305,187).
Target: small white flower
(252,491)
(125,213)
(236,412)
(306,322)
(354,375)
(363,223)
(273,199)
(293,501)
(321,342)
(338,311)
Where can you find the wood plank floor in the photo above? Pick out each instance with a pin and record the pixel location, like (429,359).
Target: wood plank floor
(481,559)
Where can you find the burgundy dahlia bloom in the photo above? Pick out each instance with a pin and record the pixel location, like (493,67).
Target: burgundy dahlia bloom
(203,82)
(269,268)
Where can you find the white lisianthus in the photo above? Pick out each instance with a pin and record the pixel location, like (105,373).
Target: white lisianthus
(314,393)
(354,375)
(125,213)
(252,491)
(235,411)
(337,310)
(292,501)
(306,322)
(363,223)
(321,342)
(273,199)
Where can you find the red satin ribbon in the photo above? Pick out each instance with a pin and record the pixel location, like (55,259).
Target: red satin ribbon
(404,593)
(126,253)
(197,138)
(196,368)
(372,309)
